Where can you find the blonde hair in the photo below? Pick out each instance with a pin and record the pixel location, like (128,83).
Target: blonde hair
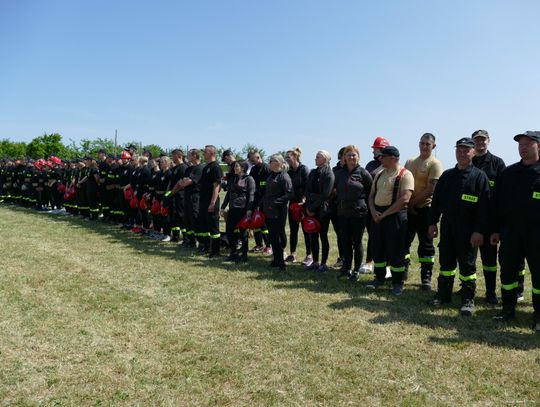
(354,149)
(279,158)
(296,152)
(326,155)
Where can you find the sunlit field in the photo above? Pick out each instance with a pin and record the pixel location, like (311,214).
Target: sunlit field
(92,314)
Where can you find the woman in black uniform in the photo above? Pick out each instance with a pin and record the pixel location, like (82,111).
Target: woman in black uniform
(239,198)
(318,189)
(353,185)
(299,174)
(277,195)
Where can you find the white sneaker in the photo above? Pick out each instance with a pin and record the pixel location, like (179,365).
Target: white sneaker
(307,261)
(166,238)
(365,268)
(388,272)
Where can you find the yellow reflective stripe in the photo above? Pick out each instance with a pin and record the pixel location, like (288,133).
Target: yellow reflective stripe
(426,259)
(536,195)
(521,273)
(256,230)
(407,257)
(535,290)
(491,184)
(449,273)
(262,183)
(216,236)
(265,232)
(397,269)
(509,287)
(175,228)
(469,198)
(467,278)
(489,268)
(381,264)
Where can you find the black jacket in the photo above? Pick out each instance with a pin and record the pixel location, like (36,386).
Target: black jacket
(318,189)
(240,193)
(462,197)
(352,191)
(492,165)
(299,179)
(516,199)
(277,195)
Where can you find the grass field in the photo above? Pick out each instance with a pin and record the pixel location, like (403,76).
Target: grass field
(94,315)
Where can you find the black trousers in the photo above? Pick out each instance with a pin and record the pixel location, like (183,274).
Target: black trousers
(417,225)
(293,235)
(455,250)
(351,233)
(233,234)
(519,242)
(335,224)
(210,226)
(389,240)
(177,215)
(323,236)
(278,238)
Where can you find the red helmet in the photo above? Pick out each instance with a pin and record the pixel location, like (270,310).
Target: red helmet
(37,165)
(61,188)
(156,207)
(311,225)
(380,142)
(134,203)
(297,212)
(257,220)
(55,160)
(143,204)
(125,155)
(164,211)
(244,223)
(128,194)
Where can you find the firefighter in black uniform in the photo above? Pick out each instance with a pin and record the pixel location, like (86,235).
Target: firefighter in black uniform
(493,166)
(461,196)
(516,224)
(210,185)
(178,172)
(190,184)
(260,172)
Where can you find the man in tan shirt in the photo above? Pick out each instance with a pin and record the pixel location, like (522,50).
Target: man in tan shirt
(426,170)
(390,194)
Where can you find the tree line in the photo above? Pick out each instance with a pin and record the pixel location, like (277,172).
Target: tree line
(52,144)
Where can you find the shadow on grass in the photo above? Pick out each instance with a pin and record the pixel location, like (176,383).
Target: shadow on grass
(411,308)
(480,328)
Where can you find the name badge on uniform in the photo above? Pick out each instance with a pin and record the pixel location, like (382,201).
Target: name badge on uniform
(469,198)
(536,195)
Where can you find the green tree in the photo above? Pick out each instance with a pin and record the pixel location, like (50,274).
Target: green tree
(12,149)
(45,146)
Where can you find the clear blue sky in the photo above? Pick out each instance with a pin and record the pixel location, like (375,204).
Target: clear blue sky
(317,74)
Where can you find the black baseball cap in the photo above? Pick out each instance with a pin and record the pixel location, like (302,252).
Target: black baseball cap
(533,135)
(465,142)
(391,151)
(480,133)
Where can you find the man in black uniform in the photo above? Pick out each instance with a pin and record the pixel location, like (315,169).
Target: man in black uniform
(461,196)
(190,185)
(493,166)
(516,224)
(178,172)
(209,202)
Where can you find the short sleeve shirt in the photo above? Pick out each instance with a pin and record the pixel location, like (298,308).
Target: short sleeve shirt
(211,174)
(385,185)
(423,171)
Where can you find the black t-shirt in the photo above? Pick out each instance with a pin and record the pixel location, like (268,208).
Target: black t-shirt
(194,172)
(211,174)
